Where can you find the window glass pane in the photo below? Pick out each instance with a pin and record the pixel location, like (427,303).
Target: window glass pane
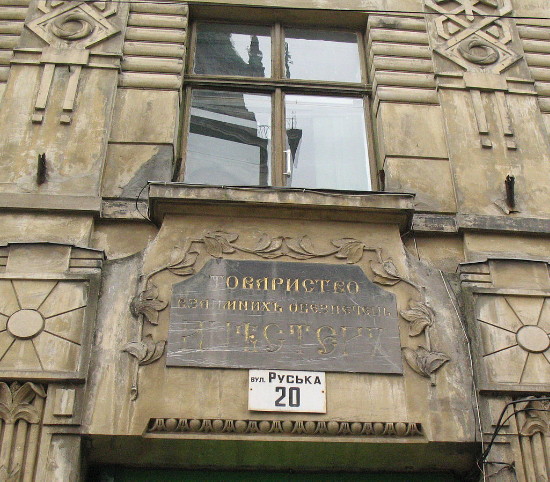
(229,140)
(326,142)
(321,55)
(233,50)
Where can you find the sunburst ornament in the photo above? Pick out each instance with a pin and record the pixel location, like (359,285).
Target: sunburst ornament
(41,324)
(515,336)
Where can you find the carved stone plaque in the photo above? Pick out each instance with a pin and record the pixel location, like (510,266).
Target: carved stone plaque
(274,315)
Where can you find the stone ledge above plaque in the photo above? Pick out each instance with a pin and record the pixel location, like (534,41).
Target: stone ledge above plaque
(280,315)
(291,203)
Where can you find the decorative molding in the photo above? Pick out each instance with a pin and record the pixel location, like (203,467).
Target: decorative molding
(533,421)
(475,36)
(285,427)
(21,411)
(514,343)
(43,325)
(536,45)
(154,46)
(10,33)
(70,30)
(147,305)
(401,60)
(46,320)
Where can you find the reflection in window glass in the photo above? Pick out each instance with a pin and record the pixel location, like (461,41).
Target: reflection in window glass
(229,139)
(233,50)
(326,142)
(321,55)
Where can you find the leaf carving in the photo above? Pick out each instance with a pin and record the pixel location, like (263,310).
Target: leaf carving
(25,394)
(146,351)
(7,475)
(219,242)
(16,399)
(148,305)
(5,394)
(184,266)
(300,248)
(268,247)
(424,362)
(385,272)
(420,316)
(350,249)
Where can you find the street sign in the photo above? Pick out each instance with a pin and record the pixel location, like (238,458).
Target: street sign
(287,391)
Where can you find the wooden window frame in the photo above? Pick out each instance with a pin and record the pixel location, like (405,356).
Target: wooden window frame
(276,86)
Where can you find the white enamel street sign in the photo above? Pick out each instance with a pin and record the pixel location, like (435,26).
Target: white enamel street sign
(287,391)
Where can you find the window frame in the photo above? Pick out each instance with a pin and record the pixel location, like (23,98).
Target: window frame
(277,86)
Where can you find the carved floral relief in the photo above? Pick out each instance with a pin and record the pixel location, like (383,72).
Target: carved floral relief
(21,409)
(147,304)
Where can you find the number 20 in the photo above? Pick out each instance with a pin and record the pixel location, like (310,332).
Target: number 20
(293,397)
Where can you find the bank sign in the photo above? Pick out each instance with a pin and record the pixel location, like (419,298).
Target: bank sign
(276,315)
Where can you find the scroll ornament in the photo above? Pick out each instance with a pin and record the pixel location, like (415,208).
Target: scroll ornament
(147,305)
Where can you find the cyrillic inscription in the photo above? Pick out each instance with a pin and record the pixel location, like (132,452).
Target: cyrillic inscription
(271,315)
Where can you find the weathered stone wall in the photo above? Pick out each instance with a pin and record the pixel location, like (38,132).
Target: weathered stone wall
(460,100)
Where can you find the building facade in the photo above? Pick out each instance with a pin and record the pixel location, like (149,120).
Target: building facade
(353,199)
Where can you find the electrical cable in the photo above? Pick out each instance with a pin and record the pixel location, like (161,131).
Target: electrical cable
(137,199)
(477,411)
(501,422)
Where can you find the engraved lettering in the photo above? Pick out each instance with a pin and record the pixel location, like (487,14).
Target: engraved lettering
(276,282)
(273,345)
(339,287)
(307,284)
(265,282)
(292,285)
(232,282)
(218,280)
(352,287)
(328,342)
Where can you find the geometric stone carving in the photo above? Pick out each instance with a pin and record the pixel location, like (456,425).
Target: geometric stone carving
(286,427)
(46,321)
(475,36)
(76,25)
(515,338)
(69,29)
(508,304)
(41,324)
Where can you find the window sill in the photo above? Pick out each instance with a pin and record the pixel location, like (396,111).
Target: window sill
(282,203)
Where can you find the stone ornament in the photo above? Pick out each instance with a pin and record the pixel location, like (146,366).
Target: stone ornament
(70,29)
(78,25)
(41,324)
(474,35)
(147,305)
(515,338)
(21,405)
(285,427)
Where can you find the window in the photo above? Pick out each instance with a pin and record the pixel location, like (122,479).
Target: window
(276,106)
